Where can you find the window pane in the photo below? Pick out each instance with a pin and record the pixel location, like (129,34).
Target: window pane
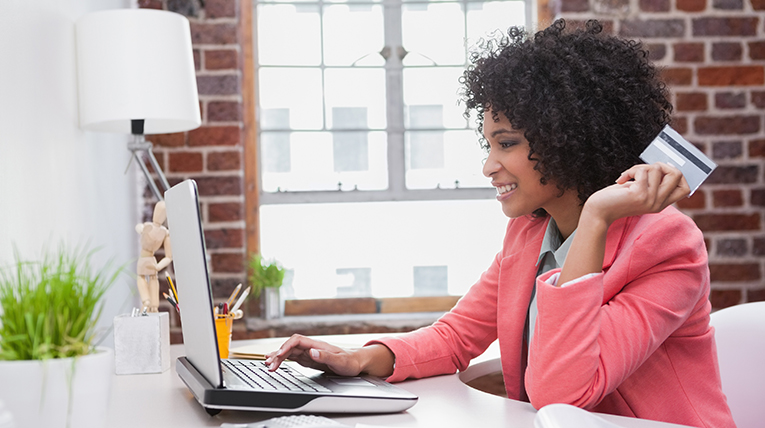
(309,161)
(425,88)
(444,159)
(485,18)
(378,245)
(278,22)
(433,34)
(295,93)
(356,88)
(431,280)
(365,23)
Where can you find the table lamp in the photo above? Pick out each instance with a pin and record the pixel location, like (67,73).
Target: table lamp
(135,70)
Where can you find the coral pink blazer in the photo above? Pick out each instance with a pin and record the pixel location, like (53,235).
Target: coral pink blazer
(634,340)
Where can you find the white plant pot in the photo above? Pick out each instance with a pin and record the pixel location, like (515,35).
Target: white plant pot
(274,303)
(65,392)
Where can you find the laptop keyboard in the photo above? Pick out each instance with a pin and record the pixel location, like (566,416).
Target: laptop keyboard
(256,375)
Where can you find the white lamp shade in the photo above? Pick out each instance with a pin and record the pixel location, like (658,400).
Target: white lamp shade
(136,64)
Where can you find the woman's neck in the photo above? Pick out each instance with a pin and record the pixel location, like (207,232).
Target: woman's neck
(566,212)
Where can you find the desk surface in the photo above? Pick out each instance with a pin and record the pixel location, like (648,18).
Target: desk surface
(162,400)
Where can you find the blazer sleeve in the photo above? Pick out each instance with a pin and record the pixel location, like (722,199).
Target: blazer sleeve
(585,347)
(456,338)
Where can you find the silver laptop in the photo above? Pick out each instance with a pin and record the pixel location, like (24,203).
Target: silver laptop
(247,384)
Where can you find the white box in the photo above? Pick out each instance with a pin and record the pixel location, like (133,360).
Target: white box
(141,343)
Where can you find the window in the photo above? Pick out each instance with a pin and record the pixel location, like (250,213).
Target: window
(371,181)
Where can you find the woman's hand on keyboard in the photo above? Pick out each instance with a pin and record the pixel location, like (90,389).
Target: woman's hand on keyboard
(375,359)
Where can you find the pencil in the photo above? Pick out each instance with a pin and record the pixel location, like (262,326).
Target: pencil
(172,286)
(230,300)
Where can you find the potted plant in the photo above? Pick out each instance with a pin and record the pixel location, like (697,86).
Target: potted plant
(48,315)
(267,276)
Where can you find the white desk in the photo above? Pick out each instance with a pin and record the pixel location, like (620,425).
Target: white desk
(162,400)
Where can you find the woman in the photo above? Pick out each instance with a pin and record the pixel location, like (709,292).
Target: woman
(599,295)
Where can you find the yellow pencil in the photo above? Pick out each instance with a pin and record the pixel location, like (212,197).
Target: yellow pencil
(172,286)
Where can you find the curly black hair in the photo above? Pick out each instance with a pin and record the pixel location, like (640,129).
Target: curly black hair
(588,103)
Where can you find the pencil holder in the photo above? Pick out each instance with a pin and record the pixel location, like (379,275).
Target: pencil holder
(223,327)
(141,343)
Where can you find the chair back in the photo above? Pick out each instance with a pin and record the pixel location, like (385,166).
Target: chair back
(740,337)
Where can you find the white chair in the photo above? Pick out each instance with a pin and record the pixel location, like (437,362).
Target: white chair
(740,337)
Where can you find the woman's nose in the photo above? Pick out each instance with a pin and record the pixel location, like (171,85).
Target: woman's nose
(490,166)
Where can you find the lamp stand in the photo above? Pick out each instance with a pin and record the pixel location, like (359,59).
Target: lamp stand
(139,144)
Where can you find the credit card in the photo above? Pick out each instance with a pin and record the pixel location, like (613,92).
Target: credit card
(671,148)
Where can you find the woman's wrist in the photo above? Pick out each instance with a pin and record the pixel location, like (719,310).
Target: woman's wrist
(376,360)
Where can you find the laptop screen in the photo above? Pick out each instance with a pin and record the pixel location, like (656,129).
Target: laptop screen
(192,280)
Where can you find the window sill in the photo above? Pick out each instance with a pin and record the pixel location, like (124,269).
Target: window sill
(344,324)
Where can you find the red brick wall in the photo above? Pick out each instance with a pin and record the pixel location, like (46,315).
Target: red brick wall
(212,154)
(713,57)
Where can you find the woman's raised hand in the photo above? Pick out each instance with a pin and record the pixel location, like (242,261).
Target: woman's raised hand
(641,189)
(375,359)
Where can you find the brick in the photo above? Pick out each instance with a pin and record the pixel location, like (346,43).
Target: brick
(757,197)
(722,222)
(691,101)
(221,59)
(187,8)
(688,52)
(215,136)
(220,9)
(177,139)
(185,162)
(727,26)
(728,4)
(732,125)
(654,5)
(226,84)
(224,238)
(677,76)
(755,295)
(734,271)
(695,201)
(224,161)
(758,246)
(197,59)
(727,198)
(652,28)
(608,25)
(656,51)
(757,50)
(730,100)
(221,185)
(758,99)
(757,148)
(758,4)
(227,262)
(734,174)
(691,5)
(731,76)
(213,34)
(727,51)
(225,211)
(224,111)
(150,4)
(727,149)
(680,123)
(574,5)
(724,298)
(731,247)
(223,287)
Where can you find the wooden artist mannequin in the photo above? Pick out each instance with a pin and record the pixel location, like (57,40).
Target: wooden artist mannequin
(153,237)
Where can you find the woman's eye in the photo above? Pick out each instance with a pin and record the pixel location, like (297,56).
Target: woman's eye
(507,144)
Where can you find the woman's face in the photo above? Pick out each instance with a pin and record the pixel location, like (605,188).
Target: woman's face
(518,187)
